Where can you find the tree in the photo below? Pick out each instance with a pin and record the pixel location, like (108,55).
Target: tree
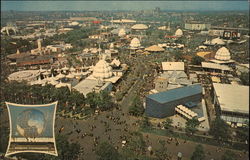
(119,95)
(105,101)
(178,56)
(92,99)
(196,60)
(106,151)
(168,123)
(199,153)
(243,133)
(228,155)
(101,100)
(191,125)
(219,129)
(145,122)
(136,108)
(76,98)
(244,77)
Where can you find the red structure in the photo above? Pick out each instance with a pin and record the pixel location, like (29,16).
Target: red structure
(96,22)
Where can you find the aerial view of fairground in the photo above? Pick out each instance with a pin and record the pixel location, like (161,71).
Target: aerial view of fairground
(124,80)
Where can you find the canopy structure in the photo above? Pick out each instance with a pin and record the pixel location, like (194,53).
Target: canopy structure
(116,62)
(65,68)
(72,69)
(60,76)
(39,82)
(217,41)
(53,82)
(123,21)
(155,48)
(139,27)
(59,85)
(70,76)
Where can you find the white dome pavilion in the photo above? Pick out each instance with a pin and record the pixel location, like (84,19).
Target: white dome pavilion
(223,54)
(102,70)
(178,33)
(135,43)
(122,32)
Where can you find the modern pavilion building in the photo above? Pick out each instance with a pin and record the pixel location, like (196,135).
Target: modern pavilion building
(161,105)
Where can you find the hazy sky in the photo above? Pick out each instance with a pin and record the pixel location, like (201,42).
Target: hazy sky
(123,5)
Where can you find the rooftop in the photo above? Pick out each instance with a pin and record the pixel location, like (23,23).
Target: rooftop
(215,66)
(175,94)
(234,98)
(170,66)
(86,86)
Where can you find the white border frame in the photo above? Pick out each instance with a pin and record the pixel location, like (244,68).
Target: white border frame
(53,129)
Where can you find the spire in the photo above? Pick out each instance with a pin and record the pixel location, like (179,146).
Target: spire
(17,51)
(99,49)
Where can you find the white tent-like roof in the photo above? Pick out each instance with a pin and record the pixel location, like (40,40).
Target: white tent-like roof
(140,27)
(53,82)
(116,62)
(59,85)
(223,54)
(217,41)
(65,68)
(70,75)
(72,69)
(60,75)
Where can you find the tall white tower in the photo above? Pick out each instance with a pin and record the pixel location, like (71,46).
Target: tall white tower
(39,44)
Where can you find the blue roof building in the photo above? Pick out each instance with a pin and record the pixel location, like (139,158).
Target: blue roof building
(161,105)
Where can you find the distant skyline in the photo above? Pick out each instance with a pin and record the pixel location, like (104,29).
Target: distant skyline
(124,5)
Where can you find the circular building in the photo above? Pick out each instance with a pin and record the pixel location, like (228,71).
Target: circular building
(102,70)
(217,41)
(223,54)
(135,43)
(122,32)
(139,27)
(178,33)
(26,75)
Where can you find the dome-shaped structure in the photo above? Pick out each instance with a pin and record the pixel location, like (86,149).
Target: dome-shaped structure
(223,54)
(135,43)
(139,27)
(178,33)
(217,41)
(122,32)
(74,23)
(102,70)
